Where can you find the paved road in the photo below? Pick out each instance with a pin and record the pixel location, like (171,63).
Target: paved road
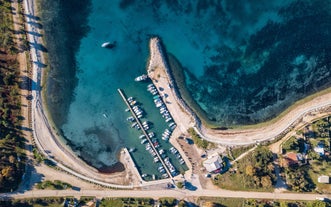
(46,142)
(180,194)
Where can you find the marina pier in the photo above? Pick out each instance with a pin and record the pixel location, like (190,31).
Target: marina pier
(144,131)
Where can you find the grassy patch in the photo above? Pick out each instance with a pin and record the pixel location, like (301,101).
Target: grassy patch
(55,185)
(255,172)
(201,143)
(236,152)
(34,202)
(304,177)
(121,202)
(241,202)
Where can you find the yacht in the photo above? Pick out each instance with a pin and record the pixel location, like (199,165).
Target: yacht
(109,45)
(141,78)
(143,141)
(142,136)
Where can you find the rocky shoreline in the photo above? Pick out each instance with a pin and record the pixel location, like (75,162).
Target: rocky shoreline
(158,62)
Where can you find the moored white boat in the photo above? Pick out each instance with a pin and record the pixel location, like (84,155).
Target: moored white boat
(141,78)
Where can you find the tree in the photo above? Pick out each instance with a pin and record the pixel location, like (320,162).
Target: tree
(266,181)
(180,185)
(316,204)
(12,159)
(182,203)
(250,170)
(7,171)
(209,204)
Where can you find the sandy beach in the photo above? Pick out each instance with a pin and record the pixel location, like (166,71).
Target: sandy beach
(49,144)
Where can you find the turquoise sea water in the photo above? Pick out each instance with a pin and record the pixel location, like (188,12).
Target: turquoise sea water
(245,62)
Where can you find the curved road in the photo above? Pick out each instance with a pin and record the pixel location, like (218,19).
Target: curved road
(47,142)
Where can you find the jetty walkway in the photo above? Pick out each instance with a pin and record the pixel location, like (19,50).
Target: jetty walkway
(144,131)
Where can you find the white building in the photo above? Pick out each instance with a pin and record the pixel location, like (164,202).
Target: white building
(323,179)
(213,163)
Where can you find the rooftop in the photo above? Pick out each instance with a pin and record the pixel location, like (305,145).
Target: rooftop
(323,179)
(213,163)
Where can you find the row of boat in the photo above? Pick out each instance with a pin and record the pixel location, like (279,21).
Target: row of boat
(151,143)
(174,151)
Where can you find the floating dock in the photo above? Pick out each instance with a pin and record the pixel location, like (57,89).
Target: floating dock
(144,132)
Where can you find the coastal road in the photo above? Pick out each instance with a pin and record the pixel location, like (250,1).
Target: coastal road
(49,145)
(160,73)
(179,194)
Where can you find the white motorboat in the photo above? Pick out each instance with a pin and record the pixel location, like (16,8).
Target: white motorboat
(109,45)
(141,78)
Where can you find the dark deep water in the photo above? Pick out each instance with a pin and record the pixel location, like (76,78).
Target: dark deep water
(244,61)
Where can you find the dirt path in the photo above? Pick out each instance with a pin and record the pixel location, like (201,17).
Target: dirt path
(25,92)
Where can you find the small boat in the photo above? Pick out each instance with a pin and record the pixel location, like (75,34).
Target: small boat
(151,134)
(133,103)
(127,109)
(109,45)
(181,161)
(144,175)
(165,175)
(142,136)
(105,115)
(130,118)
(168,119)
(132,149)
(141,78)
(143,141)
(156,159)
(172,124)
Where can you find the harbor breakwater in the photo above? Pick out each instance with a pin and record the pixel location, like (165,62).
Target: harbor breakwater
(272,131)
(159,58)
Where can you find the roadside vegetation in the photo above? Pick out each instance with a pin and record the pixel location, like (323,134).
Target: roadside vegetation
(240,202)
(53,185)
(306,156)
(253,172)
(12,156)
(34,202)
(119,202)
(93,202)
(234,153)
(201,143)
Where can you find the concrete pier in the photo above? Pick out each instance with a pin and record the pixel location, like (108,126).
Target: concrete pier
(144,132)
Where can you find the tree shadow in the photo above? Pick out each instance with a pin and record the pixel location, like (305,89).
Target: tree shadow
(35,24)
(34,34)
(190,187)
(30,178)
(32,17)
(40,64)
(38,46)
(28,84)
(24,128)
